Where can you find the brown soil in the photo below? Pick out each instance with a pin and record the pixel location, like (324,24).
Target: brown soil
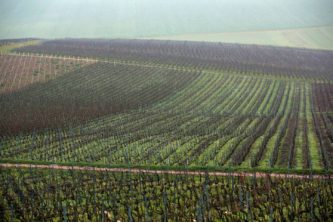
(18,71)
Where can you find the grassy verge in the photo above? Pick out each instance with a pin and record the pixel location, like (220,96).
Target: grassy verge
(7,48)
(179,168)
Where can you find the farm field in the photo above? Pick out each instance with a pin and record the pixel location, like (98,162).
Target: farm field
(308,37)
(21,71)
(166,110)
(166,105)
(107,196)
(309,22)
(161,103)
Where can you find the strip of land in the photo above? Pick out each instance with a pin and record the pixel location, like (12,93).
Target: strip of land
(173,172)
(320,37)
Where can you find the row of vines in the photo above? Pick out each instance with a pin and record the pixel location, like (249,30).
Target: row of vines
(56,195)
(96,110)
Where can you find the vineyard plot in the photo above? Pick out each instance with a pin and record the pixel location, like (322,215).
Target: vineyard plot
(17,71)
(57,195)
(95,90)
(172,104)
(251,59)
(217,120)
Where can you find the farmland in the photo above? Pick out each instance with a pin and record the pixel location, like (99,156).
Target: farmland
(298,23)
(303,37)
(20,71)
(172,103)
(154,104)
(105,196)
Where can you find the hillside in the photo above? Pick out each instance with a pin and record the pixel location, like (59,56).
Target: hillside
(308,37)
(168,103)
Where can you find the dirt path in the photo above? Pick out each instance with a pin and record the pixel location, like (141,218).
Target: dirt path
(175,172)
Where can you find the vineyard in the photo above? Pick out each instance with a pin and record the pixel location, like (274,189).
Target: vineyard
(148,103)
(21,71)
(105,196)
(168,103)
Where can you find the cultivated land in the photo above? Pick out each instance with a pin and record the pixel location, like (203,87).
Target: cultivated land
(159,105)
(172,18)
(307,37)
(74,195)
(169,103)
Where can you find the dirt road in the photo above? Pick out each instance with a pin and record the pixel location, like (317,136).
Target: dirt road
(175,172)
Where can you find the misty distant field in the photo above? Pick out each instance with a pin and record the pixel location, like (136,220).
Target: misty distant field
(298,23)
(311,37)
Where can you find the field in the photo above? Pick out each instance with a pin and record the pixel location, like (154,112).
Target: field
(18,72)
(173,103)
(105,196)
(298,23)
(152,104)
(307,37)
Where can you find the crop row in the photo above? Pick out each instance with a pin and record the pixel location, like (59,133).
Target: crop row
(55,195)
(95,90)
(17,72)
(215,119)
(114,113)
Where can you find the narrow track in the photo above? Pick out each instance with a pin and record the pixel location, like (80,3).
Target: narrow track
(159,66)
(173,172)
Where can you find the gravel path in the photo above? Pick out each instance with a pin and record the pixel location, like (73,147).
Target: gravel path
(176,172)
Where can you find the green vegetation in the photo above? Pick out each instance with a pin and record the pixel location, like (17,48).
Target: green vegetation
(158,105)
(178,130)
(7,47)
(106,196)
(163,109)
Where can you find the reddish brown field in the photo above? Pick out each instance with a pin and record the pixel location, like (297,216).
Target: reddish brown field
(17,72)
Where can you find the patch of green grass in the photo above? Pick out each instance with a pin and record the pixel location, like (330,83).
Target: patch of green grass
(7,48)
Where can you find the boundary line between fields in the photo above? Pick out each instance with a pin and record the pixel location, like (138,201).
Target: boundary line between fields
(172,172)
